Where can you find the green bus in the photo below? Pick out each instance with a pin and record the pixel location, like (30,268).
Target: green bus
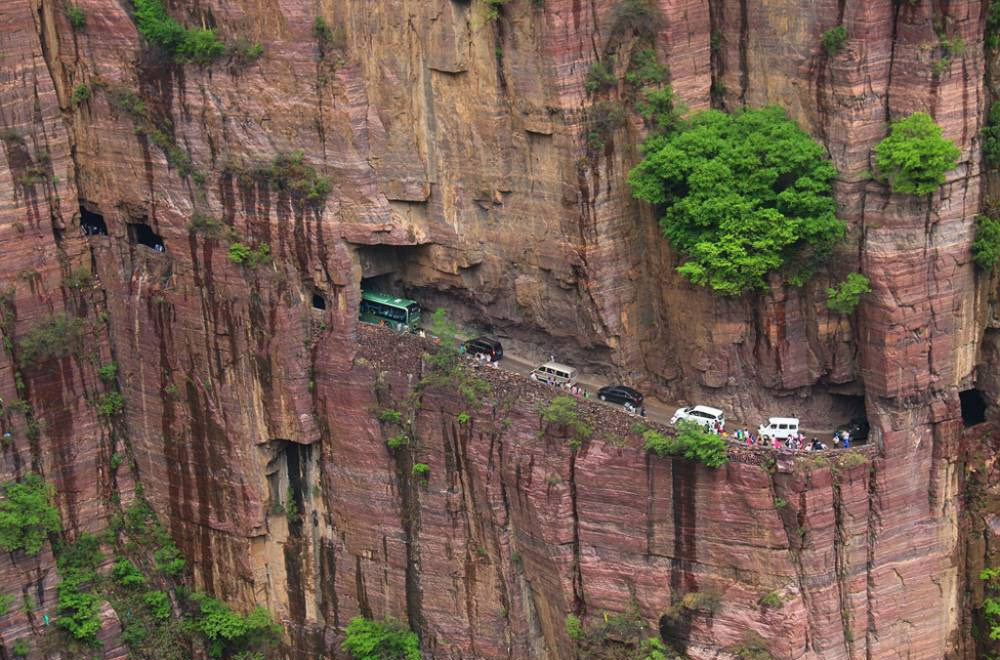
(382,309)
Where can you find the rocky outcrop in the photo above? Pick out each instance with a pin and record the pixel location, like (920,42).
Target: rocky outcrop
(457,150)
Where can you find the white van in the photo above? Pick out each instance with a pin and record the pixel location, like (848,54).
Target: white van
(705,415)
(780,427)
(554,373)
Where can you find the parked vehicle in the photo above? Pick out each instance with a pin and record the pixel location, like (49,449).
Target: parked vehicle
(621,394)
(484,346)
(382,309)
(858,428)
(780,427)
(554,373)
(704,415)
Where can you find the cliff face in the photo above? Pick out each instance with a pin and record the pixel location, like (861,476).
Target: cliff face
(457,148)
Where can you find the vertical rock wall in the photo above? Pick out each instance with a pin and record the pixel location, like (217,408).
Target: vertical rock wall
(457,150)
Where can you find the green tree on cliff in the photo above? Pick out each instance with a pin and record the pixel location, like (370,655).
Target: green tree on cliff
(742,195)
(366,639)
(914,157)
(27,515)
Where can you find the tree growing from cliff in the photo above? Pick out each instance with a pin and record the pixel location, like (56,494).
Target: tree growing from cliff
(914,157)
(691,442)
(986,247)
(742,195)
(199,45)
(845,296)
(366,639)
(27,515)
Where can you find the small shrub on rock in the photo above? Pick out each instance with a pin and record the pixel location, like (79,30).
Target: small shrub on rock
(844,297)
(914,158)
(691,442)
(833,40)
(368,639)
(986,247)
(27,515)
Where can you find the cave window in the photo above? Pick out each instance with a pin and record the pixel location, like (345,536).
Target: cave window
(318,301)
(92,223)
(973,407)
(140,233)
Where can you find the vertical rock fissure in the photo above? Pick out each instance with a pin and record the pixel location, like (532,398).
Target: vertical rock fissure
(716,15)
(790,523)
(744,51)
(840,564)
(579,601)
(871,633)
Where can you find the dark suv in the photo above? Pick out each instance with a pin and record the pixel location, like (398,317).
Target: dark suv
(620,394)
(487,346)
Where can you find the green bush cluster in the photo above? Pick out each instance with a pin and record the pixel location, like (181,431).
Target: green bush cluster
(126,575)
(198,45)
(659,107)
(914,157)
(368,639)
(991,136)
(290,173)
(77,563)
(562,411)
(991,602)
(993,25)
(619,635)
(600,77)
(986,247)
(446,368)
(390,416)
(108,372)
(246,52)
(420,470)
(21,648)
(772,600)
(645,70)
(833,40)
(229,632)
(77,19)
(845,296)
(27,514)
(110,404)
(81,94)
(55,337)
(742,195)
(251,257)
(641,18)
(691,442)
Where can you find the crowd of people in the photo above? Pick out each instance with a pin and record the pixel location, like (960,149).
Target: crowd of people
(799,442)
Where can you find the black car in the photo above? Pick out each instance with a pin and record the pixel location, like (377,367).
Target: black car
(857,427)
(484,346)
(620,394)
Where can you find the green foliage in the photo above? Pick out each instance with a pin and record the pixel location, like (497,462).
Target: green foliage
(644,69)
(158,604)
(125,574)
(290,173)
(27,515)
(743,195)
(780,503)
(603,119)
(691,442)
(79,278)
(81,94)
(77,19)
(108,372)
(772,599)
(914,157)
(562,411)
(228,632)
(660,108)
(833,40)
(844,297)
(574,628)
(117,459)
(367,639)
(986,247)
(641,18)
(752,648)
(390,416)
(246,52)
(420,470)
(55,337)
(110,404)
(77,564)
(328,39)
(991,136)
(157,26)
(251,257)
(463,417)
(600,77)
(447,369)
(494,8)
(21,648)
(397,441)
(169,560)
(291,506)
(993,25)
(6,600)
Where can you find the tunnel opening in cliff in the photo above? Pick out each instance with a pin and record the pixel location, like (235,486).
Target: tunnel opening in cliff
(318,301)
(386,268)
(92,223)
(973,407)
(139,233)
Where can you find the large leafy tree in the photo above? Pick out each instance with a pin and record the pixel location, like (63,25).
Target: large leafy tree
(742,195)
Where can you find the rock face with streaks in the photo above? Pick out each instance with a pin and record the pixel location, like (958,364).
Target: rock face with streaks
(470,167)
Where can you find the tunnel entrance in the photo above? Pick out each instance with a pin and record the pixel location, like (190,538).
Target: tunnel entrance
(385,268)
(92,223)
(318,301)
(139,233)
(973,407)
